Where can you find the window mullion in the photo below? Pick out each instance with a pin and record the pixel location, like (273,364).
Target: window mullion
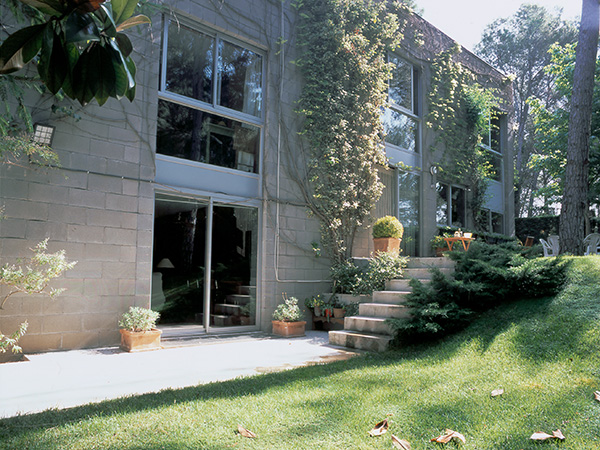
(165,43)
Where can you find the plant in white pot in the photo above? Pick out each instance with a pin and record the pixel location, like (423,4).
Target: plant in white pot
(387,234)
(287,319)
(138,330)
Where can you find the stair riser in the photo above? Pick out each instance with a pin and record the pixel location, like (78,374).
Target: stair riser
(414,263)
(247,290)
(367,325)
(424,273)
(369,343)
(390,297)
(227,309)
(384,310)
(239,299)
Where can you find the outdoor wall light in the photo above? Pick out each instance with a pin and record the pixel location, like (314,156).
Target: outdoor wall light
(165,263)
(433,171)
(43,134)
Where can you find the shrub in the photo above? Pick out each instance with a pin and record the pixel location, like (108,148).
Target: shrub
(349,279)
(139,319)
(388,227)
(288,311)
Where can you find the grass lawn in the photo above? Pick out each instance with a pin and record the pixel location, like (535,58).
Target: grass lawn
(543,353)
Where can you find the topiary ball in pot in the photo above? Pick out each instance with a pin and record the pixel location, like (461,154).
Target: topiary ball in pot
(387,233)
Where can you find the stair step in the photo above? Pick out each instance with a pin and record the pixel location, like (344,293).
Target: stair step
(367,324)
(392,297)
(247,290)
(384,310)
(239,299)
(364,341)
(227,309)
(220,320)
(424,273)
(418,263)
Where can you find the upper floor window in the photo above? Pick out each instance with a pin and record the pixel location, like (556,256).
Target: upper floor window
(491,140)
(401,117)
(210,99)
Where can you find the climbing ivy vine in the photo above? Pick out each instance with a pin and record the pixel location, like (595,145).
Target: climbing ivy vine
(343,46)
(460,112)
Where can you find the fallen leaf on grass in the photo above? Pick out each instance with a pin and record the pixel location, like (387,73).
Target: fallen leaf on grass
(379,428)
(539,436)
(445,438)
(246,433)
(497,392)
(597,395)
(400,444)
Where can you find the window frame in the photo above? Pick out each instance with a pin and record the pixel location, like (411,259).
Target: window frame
(413,113)
(499,154)
(449,219)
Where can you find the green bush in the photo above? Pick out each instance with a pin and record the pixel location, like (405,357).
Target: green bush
(139,319)
(349,279)
(388,227)
(485,276)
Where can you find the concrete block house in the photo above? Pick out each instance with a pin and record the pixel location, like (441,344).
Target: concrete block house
(185,199)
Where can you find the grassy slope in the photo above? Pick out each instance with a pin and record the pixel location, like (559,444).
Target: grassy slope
(544,353)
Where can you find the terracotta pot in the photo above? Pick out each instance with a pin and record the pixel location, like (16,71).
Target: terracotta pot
(8,356)
(338,312)
(139,341)
(440,251)
(289,329)
(386,245)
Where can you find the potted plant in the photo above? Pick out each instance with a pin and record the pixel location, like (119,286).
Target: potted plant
(287,319)
(138,332)
(438,245)
(338,308)
(315,303)
(247,313)
(387,233)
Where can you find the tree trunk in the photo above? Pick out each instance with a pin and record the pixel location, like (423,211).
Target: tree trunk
(574,205)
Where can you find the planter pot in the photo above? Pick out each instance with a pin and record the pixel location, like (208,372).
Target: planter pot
(246,320)
(139,341)
(440,251)
(386,245)
(9,356)
(338,313)
(318,311)
(289,329)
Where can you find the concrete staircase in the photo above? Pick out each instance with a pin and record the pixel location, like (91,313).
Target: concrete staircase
(368,330)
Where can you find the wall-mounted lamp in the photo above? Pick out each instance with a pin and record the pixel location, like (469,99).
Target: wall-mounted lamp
(43,134)
(433,170)
(165,263)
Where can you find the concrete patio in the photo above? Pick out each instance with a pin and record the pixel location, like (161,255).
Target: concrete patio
(73,378)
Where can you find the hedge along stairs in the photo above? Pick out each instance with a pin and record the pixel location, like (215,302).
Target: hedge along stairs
(369,330)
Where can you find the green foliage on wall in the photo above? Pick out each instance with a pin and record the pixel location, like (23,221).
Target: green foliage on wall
(460,112)
(343,46)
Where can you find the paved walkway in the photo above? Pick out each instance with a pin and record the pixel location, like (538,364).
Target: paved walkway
(72,378)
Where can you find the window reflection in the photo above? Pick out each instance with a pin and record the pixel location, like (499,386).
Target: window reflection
(408,211)
(401,83)
(199,136)
(240,79)
(189,68)
(400,129)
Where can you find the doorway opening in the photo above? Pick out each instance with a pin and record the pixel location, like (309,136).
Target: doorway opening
(205,263)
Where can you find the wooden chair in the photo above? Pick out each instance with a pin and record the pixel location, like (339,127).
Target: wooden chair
(528,241)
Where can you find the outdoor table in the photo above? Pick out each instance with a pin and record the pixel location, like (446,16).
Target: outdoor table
(466,242)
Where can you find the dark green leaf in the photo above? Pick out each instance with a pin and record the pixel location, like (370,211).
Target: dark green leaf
(81,27)
(20,48)
(58,67)
(124,44)
(108,24)
(94,75)
(52,7)
(46,52)
(122,75)
(72,56)
(132,69)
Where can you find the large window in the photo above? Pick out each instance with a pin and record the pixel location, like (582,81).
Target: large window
(491,141)
(401,119)
(451,205)
(210,107)
(408,211)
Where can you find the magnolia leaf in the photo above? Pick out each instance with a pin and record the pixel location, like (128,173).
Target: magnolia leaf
(130,94)
(597,395)
(450,434)
(133,21)
(380,428)
(123,9)
(20,48)
(558,435)
(51,7)
(400,443)
(539,436)
(124,43)
(246,433)
(497,392)
(81,28)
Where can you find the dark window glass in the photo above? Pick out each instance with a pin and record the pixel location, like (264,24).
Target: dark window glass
(400,130)
(497,223)
(401,84)
(458,207)
(494,163)
(240,79)
(190,56)
(441,211)
(199,136)
(495,124)
(408,211)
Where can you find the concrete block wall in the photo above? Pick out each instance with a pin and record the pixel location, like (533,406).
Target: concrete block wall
(98,207)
